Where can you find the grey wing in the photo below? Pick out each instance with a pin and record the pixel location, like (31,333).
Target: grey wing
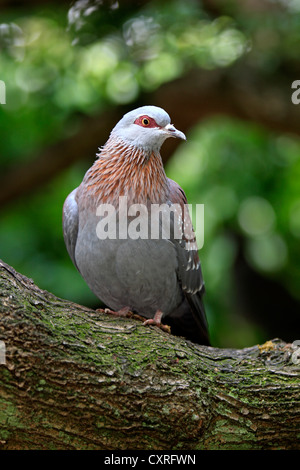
(190,276)
(70,224)
(189,267)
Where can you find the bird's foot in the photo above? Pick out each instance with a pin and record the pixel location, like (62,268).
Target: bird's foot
(156,321)
(123,312)
(126,312)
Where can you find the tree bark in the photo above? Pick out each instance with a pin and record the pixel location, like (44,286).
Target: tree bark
(74,378)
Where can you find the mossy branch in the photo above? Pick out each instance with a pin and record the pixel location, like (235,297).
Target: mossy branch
(74,378)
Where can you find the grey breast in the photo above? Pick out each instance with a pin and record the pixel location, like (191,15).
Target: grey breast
(138,273)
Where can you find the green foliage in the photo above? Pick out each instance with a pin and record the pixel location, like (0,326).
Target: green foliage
(58,65)
(248,181)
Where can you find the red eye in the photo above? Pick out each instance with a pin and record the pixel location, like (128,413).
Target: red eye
(146,121)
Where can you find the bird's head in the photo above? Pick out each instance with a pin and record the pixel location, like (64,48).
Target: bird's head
(146,127)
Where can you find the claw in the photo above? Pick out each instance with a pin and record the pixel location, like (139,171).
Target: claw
(156,321)
(126,312)
(123,312)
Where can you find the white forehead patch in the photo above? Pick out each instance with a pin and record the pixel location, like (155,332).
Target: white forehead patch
(160,115)
(147,138)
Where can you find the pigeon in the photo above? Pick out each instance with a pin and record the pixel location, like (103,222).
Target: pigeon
(129,234)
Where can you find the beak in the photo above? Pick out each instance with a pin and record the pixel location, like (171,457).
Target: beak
(173,132)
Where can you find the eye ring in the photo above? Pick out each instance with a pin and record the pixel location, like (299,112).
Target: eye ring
(145,122)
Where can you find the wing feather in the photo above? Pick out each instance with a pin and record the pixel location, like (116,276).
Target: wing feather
(189,266)
(70,224)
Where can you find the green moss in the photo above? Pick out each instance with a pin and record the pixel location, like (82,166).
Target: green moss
(9,418)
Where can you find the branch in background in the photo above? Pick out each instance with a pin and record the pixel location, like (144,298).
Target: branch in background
(236,92)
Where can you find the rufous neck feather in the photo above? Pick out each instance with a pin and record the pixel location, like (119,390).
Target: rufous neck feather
(125,170)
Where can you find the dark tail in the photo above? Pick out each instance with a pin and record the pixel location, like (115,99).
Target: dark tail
(189,320)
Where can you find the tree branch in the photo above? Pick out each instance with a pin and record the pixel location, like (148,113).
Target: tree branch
(75,378)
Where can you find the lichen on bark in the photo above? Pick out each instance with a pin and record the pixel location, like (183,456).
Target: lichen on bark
(75,378)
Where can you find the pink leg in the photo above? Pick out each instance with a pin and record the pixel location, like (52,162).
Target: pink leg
(157,321)
(126,312)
